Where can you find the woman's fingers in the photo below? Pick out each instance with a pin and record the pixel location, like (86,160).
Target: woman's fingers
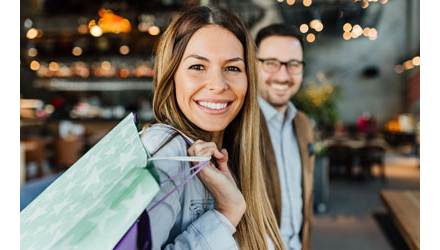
(201,148)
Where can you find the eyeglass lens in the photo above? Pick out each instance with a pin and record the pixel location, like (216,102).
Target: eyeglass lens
(293,66)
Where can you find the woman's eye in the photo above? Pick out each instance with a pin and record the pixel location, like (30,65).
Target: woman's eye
(197,67)
(233,68)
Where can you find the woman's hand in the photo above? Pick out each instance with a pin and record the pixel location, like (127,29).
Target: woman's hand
(228,199)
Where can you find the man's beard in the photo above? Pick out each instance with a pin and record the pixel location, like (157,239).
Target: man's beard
(277,105)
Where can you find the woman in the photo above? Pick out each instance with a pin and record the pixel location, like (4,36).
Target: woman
(205,87)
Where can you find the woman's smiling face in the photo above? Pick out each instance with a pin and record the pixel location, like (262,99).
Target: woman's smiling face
(211,81)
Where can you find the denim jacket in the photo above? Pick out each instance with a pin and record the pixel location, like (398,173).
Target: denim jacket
(187,218)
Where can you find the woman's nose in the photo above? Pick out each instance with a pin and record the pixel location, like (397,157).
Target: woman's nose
(217,81)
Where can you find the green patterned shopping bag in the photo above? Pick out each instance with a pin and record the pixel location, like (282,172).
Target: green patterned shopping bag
(97,199)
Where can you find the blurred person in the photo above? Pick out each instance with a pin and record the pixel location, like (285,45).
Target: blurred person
(205,90)
(287,133)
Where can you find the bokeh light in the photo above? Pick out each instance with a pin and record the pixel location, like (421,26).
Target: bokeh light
(53,66)
(34,65)
(307,3)
(310,38)
(77,51)
(416,61)
(347,35)
(124,50)
(399,69)
(32,33)
(408,64)
(153,30)
(319,27)
(106,65)
(32,52)
(96,31)
(347,27)
(304,28)
(82,29)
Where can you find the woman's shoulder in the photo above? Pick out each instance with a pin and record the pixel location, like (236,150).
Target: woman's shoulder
(161,139)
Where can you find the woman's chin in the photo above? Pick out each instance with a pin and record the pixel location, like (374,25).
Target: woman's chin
(212,126)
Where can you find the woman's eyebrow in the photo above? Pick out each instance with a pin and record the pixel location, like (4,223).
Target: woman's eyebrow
(206,59)
(197,57)
(235,59)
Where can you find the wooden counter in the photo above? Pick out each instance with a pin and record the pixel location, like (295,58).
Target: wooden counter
(404,208)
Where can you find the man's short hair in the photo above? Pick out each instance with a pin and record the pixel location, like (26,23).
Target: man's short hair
(279,29)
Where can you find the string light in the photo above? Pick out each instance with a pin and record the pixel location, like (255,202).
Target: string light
(399,69)
(32,33)
(319,27)
(365,4)
(77,51)
(82,29)
(357,30)
(105,65)
(53,66)
(408,65)
(310,38)
(347,27)
(290,2)
(372,34)
(35,65)
(346,35)
(366,31)
(32,52)
(96,31)
(307,3)
(153,30)
(383,1)
(314,23)
(28,23)
(304,28)
(416,61)
(124,50)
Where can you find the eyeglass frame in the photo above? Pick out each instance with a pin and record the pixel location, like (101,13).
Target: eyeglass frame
(283,63)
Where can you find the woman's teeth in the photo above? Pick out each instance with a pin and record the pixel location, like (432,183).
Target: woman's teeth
(279,86)
(214,105)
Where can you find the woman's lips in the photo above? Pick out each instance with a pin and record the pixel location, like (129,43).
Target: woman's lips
(214,107)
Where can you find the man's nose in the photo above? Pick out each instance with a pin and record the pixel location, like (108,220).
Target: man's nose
(217,82)
(282,75)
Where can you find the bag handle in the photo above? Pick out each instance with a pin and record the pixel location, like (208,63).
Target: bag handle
(200,166)
(204,160)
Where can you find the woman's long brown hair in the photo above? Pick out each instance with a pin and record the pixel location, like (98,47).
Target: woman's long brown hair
(241,137)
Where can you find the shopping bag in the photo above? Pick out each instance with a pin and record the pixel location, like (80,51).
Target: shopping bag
(98,199)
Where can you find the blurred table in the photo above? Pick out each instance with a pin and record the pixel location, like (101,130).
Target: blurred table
(404,207)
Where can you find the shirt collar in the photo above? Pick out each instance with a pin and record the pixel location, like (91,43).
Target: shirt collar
(270,112)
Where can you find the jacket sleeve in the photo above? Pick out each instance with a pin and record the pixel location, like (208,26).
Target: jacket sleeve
(207,232)
(210,231)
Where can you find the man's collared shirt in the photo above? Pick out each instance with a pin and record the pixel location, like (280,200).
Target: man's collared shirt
(285,146)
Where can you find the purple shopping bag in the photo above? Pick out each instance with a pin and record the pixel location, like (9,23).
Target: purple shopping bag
(138,236)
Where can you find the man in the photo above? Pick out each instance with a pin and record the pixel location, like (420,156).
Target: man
(287,134)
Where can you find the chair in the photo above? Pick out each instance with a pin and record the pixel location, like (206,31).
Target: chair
(370,155)
(68,151)
(340,156)
(35,151)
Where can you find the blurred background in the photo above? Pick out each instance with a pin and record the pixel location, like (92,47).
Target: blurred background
(84,65)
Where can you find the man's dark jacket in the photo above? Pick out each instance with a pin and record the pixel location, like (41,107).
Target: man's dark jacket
(304,135)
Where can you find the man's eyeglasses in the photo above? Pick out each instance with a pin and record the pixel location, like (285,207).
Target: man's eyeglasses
(272,65)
